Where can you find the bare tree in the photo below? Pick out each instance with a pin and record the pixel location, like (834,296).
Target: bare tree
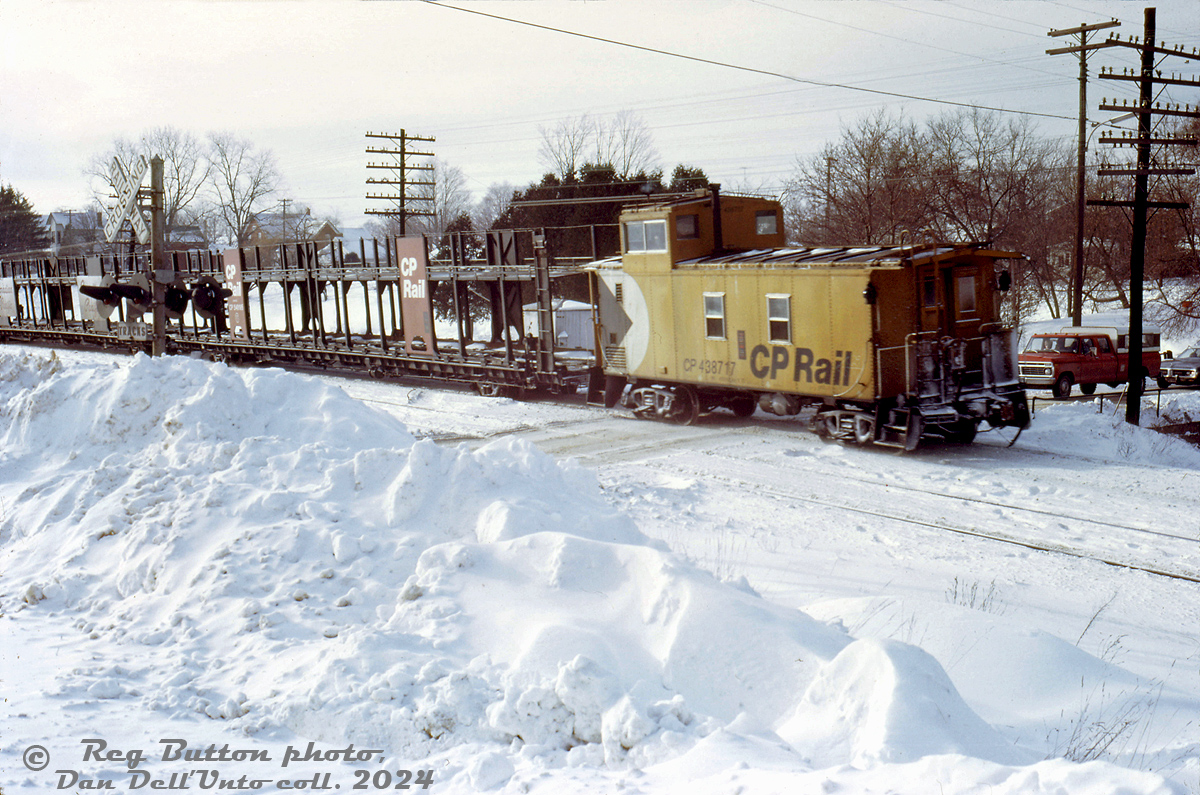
(205,216)
(447,199)
(493,204)
(623,143)
(984,173)
(865,188)
(626,144)
(564,148)
(185,169)
(242,178)
(450,199)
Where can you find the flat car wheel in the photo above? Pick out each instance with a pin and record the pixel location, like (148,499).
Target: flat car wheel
(1062,387)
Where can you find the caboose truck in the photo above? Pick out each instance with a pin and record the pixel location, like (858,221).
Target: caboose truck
(706,308)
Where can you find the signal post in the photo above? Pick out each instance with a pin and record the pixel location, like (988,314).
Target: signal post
(128,186)
(160,276)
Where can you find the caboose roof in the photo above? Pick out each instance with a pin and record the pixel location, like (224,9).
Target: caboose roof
(848,256)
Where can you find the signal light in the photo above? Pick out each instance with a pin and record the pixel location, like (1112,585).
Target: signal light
(137,294)
(136,291)
(104,294)
(176,299)
(208,299)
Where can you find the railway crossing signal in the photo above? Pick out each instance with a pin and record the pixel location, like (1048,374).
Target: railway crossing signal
(103,293)
(208,299)
(127,186)
(176,299)
(136,292)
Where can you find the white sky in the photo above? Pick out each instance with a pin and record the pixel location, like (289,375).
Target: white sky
(308,78)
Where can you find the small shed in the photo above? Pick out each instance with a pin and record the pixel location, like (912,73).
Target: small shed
(573,327)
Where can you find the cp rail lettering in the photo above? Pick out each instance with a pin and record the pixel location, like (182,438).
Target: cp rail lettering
(769,362)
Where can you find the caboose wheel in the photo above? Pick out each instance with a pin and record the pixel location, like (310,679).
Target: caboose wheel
(685,408)
(864,429)
(913,431)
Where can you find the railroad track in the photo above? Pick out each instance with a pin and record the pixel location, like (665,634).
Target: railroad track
(722,454)
(821,490)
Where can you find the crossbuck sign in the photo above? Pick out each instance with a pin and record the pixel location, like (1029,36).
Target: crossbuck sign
(127,186)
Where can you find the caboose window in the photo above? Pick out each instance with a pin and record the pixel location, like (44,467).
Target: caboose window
(929,291)
(714,316)
(966,295)
(779,318)
(766,222)
(646,236)
(687,227)
(635,236)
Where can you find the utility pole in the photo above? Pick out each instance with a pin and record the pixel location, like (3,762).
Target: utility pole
(160,277)
(1081,49)
(284,231)
(399,178)
(829,161)
(1146,77)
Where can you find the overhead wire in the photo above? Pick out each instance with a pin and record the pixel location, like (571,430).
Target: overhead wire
(738,67)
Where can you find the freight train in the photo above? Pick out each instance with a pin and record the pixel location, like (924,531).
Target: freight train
(704,306)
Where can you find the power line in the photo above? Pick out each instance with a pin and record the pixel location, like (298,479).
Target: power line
(972,56)
(738,67)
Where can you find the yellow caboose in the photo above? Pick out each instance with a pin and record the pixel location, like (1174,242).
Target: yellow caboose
(707,307)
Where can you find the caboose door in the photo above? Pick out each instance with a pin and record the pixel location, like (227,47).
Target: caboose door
(963,283)
(930,302)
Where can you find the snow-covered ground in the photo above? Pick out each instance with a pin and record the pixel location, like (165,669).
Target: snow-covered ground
(548,598)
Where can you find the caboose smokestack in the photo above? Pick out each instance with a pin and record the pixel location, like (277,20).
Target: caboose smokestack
(718,236)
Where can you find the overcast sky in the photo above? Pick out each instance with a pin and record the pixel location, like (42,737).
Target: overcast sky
(308,78)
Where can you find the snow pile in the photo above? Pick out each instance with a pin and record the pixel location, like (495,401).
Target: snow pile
(286,557)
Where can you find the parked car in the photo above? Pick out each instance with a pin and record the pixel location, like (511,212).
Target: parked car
(1184,371)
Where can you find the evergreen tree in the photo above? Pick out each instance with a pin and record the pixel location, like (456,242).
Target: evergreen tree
(687,178)
(563,209)
(21,228)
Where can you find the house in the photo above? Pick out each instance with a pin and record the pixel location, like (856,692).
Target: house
(183,237)
(74,232)
(271,229)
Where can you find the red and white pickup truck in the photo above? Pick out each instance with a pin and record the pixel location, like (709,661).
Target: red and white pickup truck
(1084,356)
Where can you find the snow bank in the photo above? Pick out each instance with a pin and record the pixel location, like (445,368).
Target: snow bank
(287,557)
(404,593)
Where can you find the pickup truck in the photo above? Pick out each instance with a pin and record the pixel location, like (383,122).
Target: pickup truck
(1084,356)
